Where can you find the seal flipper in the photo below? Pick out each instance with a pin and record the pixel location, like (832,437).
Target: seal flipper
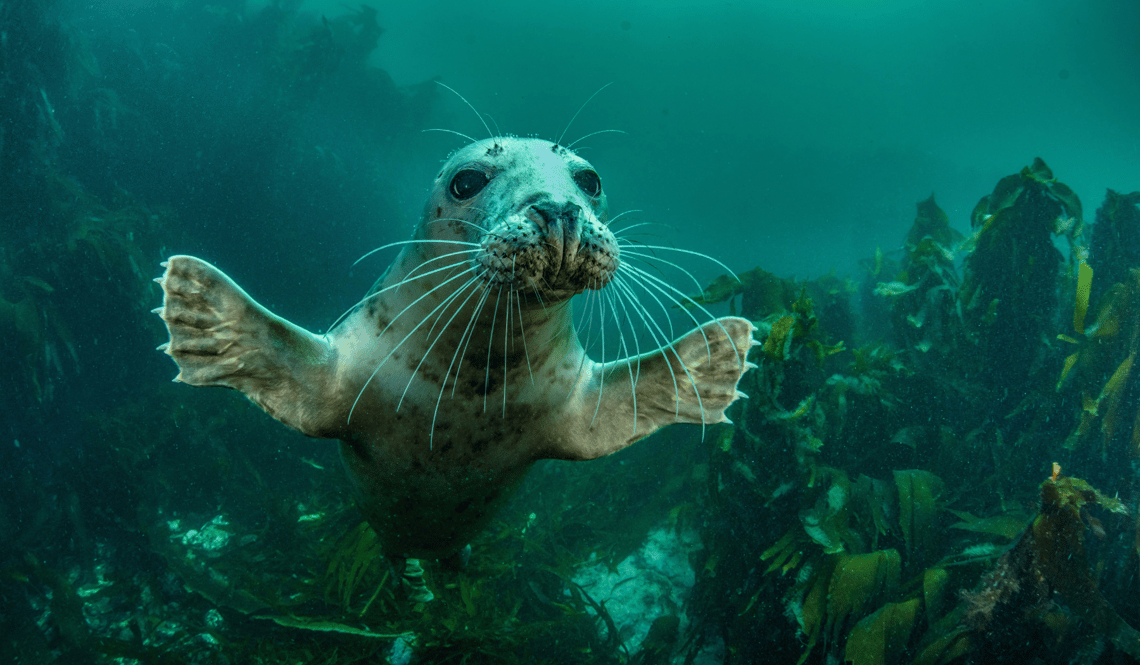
(692,380)
(220,337)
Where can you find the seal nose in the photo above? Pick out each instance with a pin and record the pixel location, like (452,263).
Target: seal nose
(561,221)
(559,216)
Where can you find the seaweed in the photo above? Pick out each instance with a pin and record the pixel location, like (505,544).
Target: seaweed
(1103,361)
(1044,585)
(1008,293)
(925,285)
(948,413)
(1115,244)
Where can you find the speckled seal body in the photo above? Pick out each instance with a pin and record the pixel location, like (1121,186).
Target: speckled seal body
(462,367)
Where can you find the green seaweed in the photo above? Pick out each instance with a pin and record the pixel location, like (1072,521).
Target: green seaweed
(1008,291)
(919,492)
(881,637)
(356,555)
(1115,245)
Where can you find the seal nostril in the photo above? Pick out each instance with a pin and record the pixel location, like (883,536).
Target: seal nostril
(558,213)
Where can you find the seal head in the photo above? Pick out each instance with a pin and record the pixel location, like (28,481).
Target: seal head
(537,211)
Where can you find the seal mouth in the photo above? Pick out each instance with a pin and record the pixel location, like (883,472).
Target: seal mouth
(560,226)
(556,250)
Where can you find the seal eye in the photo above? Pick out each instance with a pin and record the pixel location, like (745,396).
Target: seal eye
(589,182)
(468,183)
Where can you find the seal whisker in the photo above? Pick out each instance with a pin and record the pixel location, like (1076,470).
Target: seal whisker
(664,287)
(412,276)
(646,258)
(619,297)
(625,350)
(468,333)
(694,253)
(600,131)
(671,346)
(647,280)
(427,352)
(588,324)
(623,214)
(666,346)
(638,277)
(497,132)
(588,318)
(418,241)
(522,335)
(601,375)
(449,131)
(506,334)
(622,240)
(537,294)
(398,284)
(490,342)
(460,345)
(592,294)
(468,222)
(575,116)
(406,337)
(623,283)
(493,137)
(442,309)
(431,330)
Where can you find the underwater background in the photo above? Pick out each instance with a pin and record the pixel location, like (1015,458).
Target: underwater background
(932,217)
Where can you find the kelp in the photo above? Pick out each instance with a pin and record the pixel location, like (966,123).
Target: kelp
(356,557)
(1009,289)
(1103,362)
(948,418)
(1006,525)
(1114,247)
(759,292)
(785,306)
(919,492)
(849,596)
(859,601)
(39,337)
(923,291)
(881,637)
(1045,578)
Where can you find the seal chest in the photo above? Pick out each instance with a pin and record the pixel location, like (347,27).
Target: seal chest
(461,368)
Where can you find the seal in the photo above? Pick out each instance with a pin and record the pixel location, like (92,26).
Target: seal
(462,367)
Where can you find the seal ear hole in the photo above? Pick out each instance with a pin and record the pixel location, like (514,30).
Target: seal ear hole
(589,182)
(467,183)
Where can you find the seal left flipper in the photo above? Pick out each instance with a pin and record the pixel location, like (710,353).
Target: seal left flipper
(692,380)
(219,336)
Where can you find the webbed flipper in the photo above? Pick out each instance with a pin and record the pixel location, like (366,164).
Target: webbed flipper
(691,380)
(219,336)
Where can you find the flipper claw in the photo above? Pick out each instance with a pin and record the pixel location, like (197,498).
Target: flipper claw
(219,336)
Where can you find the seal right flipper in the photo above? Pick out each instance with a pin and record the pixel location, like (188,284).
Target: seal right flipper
(691,380)
(220,337)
